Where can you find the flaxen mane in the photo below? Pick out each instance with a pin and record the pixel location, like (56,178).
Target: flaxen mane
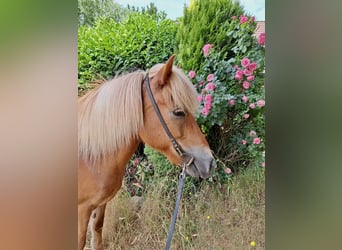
(112,114)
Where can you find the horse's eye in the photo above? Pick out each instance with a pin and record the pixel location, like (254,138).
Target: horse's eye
(178,112)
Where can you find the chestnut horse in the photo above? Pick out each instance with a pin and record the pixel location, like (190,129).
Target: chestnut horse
(115,118)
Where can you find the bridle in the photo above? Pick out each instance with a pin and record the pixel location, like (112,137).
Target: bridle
(180,151)
(188,159)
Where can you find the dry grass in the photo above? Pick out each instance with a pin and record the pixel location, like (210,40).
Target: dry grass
(236,213)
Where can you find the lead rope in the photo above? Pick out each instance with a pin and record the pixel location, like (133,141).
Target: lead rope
(180,152)
(175,212)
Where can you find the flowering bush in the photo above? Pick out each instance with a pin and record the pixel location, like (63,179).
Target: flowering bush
(232,98)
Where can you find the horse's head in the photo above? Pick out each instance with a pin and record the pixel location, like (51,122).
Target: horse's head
(177,101)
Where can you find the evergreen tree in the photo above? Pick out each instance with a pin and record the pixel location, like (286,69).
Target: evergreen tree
(205,21)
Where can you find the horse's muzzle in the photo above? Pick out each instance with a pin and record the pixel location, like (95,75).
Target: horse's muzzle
(203,163)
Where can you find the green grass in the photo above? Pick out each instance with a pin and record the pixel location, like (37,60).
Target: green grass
(225,217)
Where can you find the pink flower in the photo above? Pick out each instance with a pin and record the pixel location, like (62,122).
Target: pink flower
(210,86)
(250,78)
(208,105)
(210,77)
(253,66)
(238,77)
(243,142)
(246,116)
(239,72)
(252,133)
(246,85)
(243,19)
(208,98)
(244,99)
(245,62)
(192,74)
(262,39)
(256,140)
(234,17)
(252,106)
(205,111)
(247,72)
(200,98)
(231,102)
(206,49)
(260,103)
(200,83)
(236,67)
(228,170)
(263,164)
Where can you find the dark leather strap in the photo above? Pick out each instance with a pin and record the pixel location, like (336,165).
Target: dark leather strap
(175,144)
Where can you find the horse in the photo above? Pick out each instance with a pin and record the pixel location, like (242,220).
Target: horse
(118,115)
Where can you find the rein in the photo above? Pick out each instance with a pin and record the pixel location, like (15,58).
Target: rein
(181,152)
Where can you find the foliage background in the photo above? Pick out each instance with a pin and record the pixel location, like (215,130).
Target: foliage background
(126,39)
(117,39)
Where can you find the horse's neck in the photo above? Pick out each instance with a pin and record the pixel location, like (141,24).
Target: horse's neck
(116,163)
(105,178)
(121,158)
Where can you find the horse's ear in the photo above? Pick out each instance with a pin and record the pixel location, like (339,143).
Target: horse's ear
(164,73)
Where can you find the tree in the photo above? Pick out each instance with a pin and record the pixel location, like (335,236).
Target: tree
(150,9)
(205,21)
(91,10)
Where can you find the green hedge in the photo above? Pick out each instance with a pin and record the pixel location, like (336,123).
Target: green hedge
(109,47)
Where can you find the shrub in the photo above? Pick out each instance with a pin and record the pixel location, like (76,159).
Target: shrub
(232,97)
(205,21)
(109,47)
